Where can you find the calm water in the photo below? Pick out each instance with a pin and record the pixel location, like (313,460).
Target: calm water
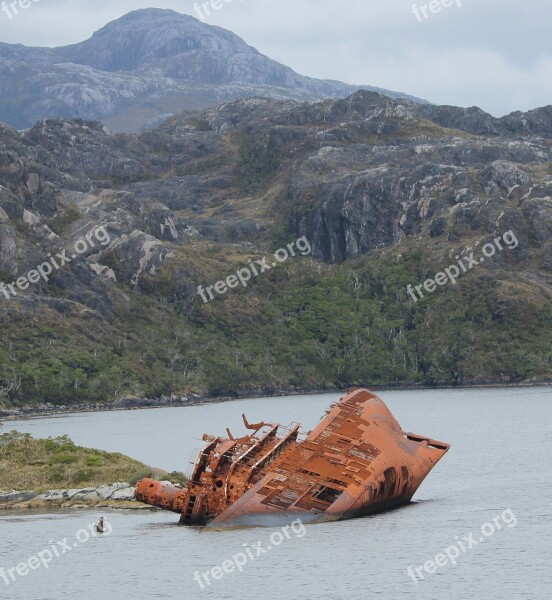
(500,460)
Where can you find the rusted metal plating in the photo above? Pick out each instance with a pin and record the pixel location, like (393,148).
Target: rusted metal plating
(357,461)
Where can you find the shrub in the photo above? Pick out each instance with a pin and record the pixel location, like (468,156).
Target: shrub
(64,459)
(55,475)
(82,477)
(177,477)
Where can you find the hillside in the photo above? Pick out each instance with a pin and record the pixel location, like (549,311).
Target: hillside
(141,68)
(387,192)
(32,464)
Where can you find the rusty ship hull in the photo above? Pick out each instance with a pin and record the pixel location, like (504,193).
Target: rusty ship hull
(356,462)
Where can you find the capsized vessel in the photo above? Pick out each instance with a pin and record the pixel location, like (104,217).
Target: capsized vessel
(357,461)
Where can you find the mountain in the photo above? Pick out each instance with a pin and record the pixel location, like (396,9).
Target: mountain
(143,67)
(387,192)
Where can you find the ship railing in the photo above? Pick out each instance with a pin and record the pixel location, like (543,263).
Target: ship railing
(194,457)
(196,454)
(286,430)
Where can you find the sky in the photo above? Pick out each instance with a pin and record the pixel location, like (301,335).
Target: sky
(495,54)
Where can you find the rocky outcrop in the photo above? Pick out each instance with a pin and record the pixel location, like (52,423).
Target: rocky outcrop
(352,176)
(132,402)
(117,495)
(359,174)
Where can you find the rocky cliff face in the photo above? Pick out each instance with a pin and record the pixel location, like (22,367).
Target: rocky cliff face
(400,171)
(353,175)
(148,63)
(387,192)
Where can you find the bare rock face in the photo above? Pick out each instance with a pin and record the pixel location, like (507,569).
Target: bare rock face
(8,245)
(352,176)
(370,196)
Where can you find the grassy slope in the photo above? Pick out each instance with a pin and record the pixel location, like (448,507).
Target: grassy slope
(40,465)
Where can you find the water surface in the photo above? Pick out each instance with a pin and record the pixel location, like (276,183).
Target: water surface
(499,461)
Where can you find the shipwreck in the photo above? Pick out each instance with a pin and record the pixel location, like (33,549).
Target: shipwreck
(356,462)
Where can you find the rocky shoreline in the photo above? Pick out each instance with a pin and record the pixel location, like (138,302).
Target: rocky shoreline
(131,403)
(135,403)
(115,496)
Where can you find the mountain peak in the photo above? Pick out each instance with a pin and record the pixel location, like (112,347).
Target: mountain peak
(151,12)
(147,64)
(149,17)
(141,38)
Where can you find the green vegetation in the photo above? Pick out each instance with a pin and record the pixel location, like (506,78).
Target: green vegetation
(39,465)
(61,223)
(304,324)
(301,324)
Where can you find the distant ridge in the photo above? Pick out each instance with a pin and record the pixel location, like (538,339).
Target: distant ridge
(146,64)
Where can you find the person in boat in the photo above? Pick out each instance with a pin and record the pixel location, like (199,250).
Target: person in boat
(102,525)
